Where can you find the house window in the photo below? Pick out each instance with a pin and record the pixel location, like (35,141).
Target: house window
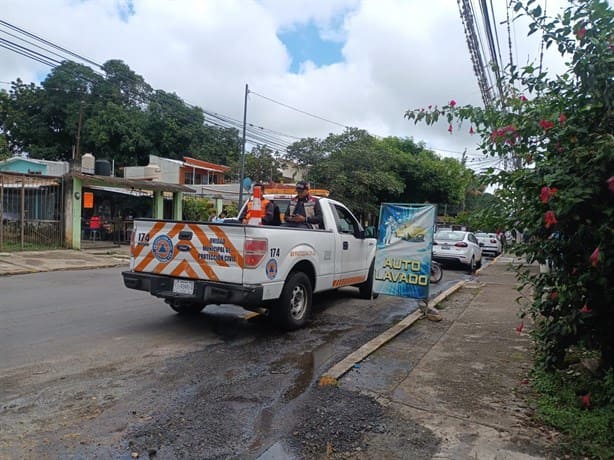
(187,177)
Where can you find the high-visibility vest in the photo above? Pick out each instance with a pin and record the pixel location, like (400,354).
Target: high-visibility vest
(254,216)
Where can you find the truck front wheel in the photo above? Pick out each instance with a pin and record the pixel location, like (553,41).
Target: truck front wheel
(293,308)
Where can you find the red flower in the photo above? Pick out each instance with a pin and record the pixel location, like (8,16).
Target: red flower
(471,131)
(554,296)
(585,309)
(452,103)
(595,257)
(586,400)
(519,327)
(523,98)
(547,193)
(610,182)
(581,33)
(562,119)
(546,124)
(450,129)
(550,218)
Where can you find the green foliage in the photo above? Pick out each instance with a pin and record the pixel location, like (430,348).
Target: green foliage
(262,166)
(198,209)
(122,118)
(382,170)
(558,134)
(588,430)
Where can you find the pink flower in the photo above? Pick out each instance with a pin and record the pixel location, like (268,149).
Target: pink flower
(452,103)
(595,257)
(450,129)
(586,400)
(523,98)
(562,119)
(519,327)
(547,193)
(471,131)
(550,219)
(581,33)
(610,182)
(546,124)
(585,309)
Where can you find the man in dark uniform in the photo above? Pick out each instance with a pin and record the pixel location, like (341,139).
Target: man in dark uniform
(304,210)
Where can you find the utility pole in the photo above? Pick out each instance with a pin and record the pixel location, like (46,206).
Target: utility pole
(77,159)
(242,175)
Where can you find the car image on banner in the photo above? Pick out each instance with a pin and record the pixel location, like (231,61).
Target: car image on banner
(403,257)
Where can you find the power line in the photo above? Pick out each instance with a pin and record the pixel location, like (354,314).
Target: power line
(299,110)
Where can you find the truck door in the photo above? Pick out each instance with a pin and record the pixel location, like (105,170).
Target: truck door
(351,252)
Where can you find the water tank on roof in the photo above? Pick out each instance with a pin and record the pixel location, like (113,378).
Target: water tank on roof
(88,163)
(152,172)
(102,168)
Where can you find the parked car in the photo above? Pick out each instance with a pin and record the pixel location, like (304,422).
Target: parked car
(490,242)
(457,246)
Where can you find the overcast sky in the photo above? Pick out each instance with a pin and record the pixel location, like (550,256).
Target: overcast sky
(359,63)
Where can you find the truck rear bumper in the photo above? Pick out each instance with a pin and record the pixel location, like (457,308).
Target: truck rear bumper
(205,292)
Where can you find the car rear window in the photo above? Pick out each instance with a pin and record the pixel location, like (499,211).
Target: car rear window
(451,236)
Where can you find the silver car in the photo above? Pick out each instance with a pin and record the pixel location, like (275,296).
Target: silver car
(457,246)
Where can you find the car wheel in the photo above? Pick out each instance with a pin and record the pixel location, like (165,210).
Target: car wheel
(293,308)
(365,290)
(471,266)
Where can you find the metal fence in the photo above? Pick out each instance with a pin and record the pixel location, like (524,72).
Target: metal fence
(31,212)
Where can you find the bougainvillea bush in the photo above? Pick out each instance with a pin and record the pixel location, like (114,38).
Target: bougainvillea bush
(556,135)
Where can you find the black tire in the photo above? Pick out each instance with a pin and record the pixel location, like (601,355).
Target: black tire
(471,266)
(436,272)
(365,290)
(187,308)
(293,307)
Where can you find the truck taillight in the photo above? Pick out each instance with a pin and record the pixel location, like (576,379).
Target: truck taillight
(132,244)
(254,249)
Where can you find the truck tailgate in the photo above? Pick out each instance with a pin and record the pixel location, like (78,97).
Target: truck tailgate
(189,250)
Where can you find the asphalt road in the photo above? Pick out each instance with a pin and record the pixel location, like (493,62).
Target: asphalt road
(92,369)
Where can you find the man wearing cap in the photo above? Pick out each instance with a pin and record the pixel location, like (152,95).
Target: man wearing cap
(304,210)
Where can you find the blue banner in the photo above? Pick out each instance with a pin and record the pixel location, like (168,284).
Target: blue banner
(404,246)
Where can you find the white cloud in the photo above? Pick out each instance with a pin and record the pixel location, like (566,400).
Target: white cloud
(398,55)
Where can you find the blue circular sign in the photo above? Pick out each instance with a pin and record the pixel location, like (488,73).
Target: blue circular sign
(162,248)
(271,269)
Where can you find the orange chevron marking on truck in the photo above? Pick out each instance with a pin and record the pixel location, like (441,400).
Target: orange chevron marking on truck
(204,240)
(348,281)
(233,251)
(184,267)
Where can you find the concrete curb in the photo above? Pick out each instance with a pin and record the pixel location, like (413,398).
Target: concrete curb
(347,363)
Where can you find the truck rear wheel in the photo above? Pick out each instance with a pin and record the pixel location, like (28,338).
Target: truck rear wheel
(187,308)
(293,308)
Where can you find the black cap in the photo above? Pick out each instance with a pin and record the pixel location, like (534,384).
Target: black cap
(302,185)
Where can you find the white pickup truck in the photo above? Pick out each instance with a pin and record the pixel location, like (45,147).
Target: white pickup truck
(194,264)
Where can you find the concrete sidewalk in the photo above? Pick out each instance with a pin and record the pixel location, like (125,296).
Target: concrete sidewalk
(22,262)
(464,378)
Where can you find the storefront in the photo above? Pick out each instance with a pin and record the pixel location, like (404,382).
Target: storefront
(100,209)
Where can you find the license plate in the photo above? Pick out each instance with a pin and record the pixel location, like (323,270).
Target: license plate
(183,287)
(445,246)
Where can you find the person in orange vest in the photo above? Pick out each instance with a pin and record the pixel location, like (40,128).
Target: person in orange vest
(268,211)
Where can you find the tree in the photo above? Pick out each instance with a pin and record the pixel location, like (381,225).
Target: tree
(559,130)
(261,165)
